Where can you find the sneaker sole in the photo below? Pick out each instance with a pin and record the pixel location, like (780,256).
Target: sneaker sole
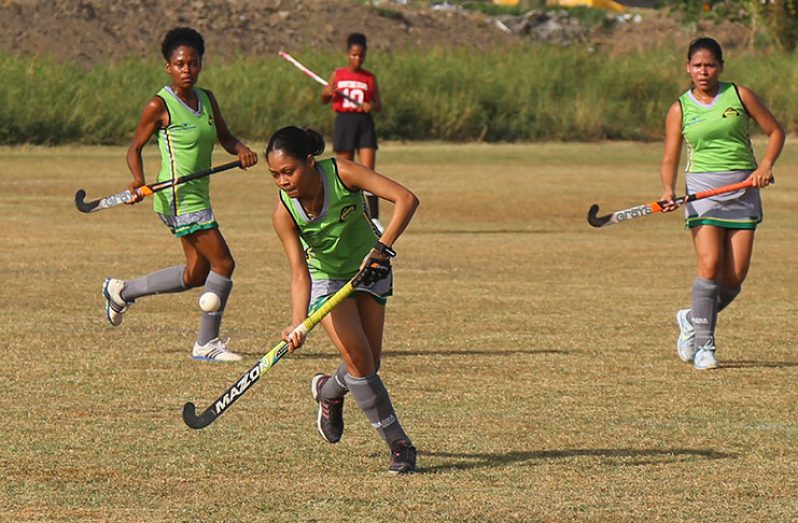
(108,311)
(313,382)
(315,393)
(108,308)
(708,367)
(406,470)
(214,360)
(682,355)
(318,427)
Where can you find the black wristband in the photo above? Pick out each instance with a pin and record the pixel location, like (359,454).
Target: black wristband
(384,249)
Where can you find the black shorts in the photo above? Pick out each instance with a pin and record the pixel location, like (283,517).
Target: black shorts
(354,131)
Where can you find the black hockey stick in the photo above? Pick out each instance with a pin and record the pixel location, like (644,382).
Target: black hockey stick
(223,402)
(145,190)
(655,207)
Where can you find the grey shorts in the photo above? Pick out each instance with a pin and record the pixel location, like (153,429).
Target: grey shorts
(321,290)
(186,224)
(735,210)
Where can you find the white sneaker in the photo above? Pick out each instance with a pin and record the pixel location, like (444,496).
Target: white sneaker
(705,356)
(378,225)
(214,350)
(685,344)
(115,306)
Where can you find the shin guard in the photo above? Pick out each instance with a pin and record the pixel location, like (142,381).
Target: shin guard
(211,322)
(705,310)
(372,398)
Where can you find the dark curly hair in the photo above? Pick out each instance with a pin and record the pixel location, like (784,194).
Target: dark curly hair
(182,36)
(356,39)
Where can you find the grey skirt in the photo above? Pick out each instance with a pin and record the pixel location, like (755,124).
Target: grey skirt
(321,290)
(734,210)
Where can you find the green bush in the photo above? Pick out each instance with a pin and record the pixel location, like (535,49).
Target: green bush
(526,93)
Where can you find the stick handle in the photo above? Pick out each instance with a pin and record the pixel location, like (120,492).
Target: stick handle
(265,363)
(302,68)
(714,192)
(658,206)
(147,190)
(316,77)
(281,349)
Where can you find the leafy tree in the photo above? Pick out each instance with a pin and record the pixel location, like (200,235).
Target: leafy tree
(777,20)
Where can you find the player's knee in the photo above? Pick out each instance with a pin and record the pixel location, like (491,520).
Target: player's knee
(738,279)
(362,366)
(708,268)
(225,266)
(195,276)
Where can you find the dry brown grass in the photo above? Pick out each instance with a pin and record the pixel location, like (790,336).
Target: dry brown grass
(530,356)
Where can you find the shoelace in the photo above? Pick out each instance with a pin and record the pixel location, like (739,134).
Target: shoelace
(708,345)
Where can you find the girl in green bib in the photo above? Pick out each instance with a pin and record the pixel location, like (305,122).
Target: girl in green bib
(321,219)
(187,121)
(712,118)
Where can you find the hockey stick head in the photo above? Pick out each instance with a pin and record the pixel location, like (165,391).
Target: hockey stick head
(595,220)
(197,422)
(82,204)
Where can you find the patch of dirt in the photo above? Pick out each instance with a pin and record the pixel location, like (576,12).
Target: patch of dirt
(656,29)
(90,31)
(96,30)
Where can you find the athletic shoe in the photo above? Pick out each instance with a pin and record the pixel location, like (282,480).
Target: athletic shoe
(115,305)
(685,345)
(705,356)
(214,350)
(378,224)
(330,418)
(403,458)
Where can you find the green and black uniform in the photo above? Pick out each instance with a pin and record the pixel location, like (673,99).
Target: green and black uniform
(336,241)
(186,146)
(719,152)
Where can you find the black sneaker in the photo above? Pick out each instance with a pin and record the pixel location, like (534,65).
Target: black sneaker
(330,419)
(403,458)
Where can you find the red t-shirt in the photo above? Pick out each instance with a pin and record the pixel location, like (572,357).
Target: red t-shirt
(360,86)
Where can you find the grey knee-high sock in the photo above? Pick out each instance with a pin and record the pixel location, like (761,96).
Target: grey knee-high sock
(336,388)
(372,398)
(705,310)
(159,282)
(210,322)
(726,296)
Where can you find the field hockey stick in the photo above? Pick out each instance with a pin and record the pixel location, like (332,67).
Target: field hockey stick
(218,407)
(145,190)
(316,77)
(658,206)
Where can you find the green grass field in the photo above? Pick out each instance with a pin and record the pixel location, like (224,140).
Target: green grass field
(530,356)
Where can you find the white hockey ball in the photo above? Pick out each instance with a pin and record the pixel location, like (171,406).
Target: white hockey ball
(210,302)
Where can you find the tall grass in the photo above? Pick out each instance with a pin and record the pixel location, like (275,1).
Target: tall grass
(518,94)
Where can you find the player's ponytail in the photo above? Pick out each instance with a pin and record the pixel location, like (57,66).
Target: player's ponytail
(296,143)
(315,142)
